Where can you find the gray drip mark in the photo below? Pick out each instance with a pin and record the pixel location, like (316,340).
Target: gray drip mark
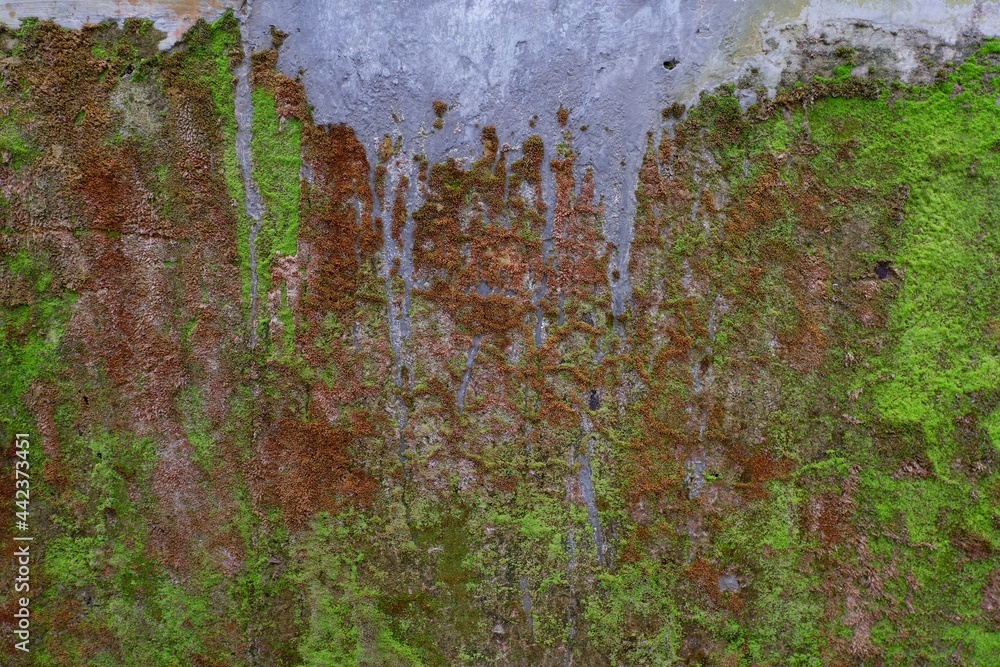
(702,380)
(703,371)
(620,234)
(586,481)
(401,419)
(539,318)
(718,306)
(694,476)
(392,252)
(548,250)
(244,127)
(570,636)
(621,289)
(570,618)
(526,605)
(470,360)
(398,321)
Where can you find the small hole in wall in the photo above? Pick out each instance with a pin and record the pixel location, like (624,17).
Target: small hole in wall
(615,276)
(670,64)
(882,270)
(706,363)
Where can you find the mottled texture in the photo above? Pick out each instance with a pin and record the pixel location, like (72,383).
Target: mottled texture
(437,401)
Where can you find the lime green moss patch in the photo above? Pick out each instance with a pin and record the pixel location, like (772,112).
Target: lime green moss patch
(346,626)
(276,149)
(15,148)
(191,406)
(939,144)
(30,331)
(638,596)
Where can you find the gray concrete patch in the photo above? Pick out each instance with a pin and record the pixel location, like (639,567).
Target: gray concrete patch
(729,583)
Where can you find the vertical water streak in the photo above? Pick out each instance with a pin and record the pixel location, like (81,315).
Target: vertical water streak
(244,123)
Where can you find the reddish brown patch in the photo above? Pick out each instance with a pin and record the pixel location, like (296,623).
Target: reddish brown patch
(808,207)
(990,601)
(805,347)
(336,219)
(576,234)
(762,205)
(734,603)
(828,517)
(440,108)
(759,468)
(289,95)
(972,545)
(636,547)
(305,468)
(706,576)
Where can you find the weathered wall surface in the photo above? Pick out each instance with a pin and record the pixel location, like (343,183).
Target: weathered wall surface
(437,333)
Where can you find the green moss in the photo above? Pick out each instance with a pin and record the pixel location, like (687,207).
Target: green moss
(191,406)
(938,145)
(940,359)
(29,332)
(15,148)
(276,149)
(842,71)
(346,626)
(638,596)
(849,419)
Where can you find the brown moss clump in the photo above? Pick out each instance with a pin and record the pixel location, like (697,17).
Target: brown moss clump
(385,149)
(278,37)
(706,577)
(289,94)
(143,232)
(675,110)
(306,467)
(581,251)
(440,107)
(336,220)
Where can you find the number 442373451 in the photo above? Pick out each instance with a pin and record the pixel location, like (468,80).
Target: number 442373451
(23,480)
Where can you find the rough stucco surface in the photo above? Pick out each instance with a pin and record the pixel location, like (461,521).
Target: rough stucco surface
(510,332)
